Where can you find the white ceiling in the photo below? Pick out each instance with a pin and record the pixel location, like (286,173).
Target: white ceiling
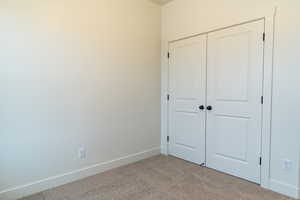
(161,2)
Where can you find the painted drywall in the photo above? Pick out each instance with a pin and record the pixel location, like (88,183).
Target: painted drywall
(285,139)
(185,18)
(76,74)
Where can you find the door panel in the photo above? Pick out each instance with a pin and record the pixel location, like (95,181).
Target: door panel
(235,88)
(234,78)
(187,70)
(235,127)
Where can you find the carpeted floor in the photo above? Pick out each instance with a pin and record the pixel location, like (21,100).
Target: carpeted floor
(159,178)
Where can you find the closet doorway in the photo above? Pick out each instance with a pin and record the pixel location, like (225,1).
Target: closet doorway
(215,105)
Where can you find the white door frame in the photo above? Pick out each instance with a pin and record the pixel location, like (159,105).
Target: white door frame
(267,93)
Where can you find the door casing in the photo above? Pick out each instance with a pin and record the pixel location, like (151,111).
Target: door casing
(267,93)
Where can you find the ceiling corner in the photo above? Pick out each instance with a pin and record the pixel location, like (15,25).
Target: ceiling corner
(161,2)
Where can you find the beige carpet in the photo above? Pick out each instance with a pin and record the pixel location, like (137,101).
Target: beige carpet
(159,178)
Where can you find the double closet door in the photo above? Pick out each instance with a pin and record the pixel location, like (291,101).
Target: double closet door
(215,108)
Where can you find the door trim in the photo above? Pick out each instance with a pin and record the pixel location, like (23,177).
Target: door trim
(267,92)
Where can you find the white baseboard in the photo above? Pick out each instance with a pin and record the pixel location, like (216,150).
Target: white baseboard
(163,150)
(285,189)
(55,181)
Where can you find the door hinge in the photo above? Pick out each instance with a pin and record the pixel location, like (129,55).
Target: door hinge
(168,97)
(168,138)
(260,160)
(262,99)
(264,36)
(168,55)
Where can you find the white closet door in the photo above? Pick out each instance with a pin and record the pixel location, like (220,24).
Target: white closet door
(235,71)
(187,67)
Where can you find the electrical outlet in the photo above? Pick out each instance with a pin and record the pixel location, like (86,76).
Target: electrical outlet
(287,165)
(82,153)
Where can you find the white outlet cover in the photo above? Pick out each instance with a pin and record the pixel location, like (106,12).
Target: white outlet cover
(82,153)
(287,165)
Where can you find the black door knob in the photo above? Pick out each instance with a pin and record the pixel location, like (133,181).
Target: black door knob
(201,107)
(209,107)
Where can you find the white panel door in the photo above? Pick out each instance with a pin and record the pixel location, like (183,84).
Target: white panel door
(187,71)
(234,82)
